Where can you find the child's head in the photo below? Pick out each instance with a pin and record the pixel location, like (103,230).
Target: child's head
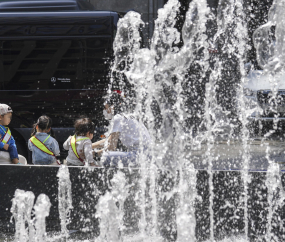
(84,127)
(5,114)
(43,125)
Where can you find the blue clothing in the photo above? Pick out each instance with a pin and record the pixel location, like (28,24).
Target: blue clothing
(12,145)
(13,152)
(39,157)
(112,158)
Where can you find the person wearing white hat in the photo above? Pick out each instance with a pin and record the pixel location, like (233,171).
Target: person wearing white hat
(8,148)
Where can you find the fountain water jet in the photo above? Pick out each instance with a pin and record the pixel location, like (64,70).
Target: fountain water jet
(64,198)
(41,211)
(110,210)
(158,75)
(22,205)
(269,43)
(166,186)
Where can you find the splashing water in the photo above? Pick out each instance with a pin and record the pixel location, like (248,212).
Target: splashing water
(269,42)
(159,76)
(41,211)
(64,198)
(186,213)
(167,80)
(110,210)
(22,205)
(21,209)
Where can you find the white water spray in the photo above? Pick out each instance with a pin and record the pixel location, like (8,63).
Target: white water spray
(41,211)
(269,43)
(21,209)
(30,229)
(110,210)
(64,198)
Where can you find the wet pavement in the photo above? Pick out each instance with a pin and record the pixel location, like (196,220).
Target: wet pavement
(229,155)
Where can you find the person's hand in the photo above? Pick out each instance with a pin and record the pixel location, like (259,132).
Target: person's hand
(16,161)
(6,147)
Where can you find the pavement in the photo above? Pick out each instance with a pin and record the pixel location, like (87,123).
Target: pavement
(229,155)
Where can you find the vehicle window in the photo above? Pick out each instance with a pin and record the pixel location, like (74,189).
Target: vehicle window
(42,64)
(54,64)
(98,57)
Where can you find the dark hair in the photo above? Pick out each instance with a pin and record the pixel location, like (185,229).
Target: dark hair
(44,123)
(83,126)
(115,99)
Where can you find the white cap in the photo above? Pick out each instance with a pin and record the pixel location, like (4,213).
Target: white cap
(4,108)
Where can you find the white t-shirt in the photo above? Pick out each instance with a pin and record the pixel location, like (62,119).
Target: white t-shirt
(132,132)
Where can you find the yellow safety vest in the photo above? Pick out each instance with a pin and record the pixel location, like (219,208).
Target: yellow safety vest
(73,147)
(41,146)
(7,135)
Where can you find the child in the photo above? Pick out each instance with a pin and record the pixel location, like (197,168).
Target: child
(79,146)
(7,142)
(43,146)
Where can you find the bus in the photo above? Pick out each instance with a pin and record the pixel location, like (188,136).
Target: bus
(54,60)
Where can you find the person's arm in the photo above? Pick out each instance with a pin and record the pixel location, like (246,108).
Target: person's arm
(112,140)
(66,143)
(12,141)
(99,144)
(4,146)
(88,153)
(55,148)
(112,143)
(30,145)
(2,133)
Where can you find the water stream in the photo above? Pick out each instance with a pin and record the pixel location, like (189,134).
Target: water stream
(64,199)
(30,218)
(189,96)
(159,76)
(21,210)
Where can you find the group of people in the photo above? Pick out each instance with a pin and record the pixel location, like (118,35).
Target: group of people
(124,128)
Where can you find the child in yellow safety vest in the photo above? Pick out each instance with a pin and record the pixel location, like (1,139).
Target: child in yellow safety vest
(43,145)
(79,146)
(7,142)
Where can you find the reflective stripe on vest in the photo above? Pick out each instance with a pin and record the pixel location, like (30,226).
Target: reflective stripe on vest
(40,145)
(73,146)
(7,135)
